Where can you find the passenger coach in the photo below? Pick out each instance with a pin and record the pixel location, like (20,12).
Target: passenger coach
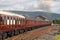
(10,22)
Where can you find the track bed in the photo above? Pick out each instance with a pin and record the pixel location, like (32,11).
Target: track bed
(35,34)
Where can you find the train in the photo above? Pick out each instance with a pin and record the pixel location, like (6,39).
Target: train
(13,24)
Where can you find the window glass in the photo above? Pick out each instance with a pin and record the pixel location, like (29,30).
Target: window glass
(4,17)
(4,22)
(7,17)
(10,21)
(0,18)
(19,21)
(22,21)
(13,21)
(7,21)
(11,17)
(16,21)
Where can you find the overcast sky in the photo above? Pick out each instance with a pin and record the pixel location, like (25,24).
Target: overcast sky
(31,5)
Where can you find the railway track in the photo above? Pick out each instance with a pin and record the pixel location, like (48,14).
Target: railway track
(34,34)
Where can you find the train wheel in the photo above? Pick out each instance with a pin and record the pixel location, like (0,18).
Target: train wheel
(4,36)
(32,28)
(26,29)
(12,33)
(16,32)
(21,30)
(35,27)
(9,34)
(29,29)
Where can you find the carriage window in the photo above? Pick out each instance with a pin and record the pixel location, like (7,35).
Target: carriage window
(0,18)
(17,21)
(10,21)
(4,17)
(11,17)
(7,17)
(7,20)
(13,20)
(22,21)
(4,20)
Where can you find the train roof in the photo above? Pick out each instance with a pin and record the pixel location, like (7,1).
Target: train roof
(11,14)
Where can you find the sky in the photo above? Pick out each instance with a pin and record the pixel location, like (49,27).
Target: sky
(31,5)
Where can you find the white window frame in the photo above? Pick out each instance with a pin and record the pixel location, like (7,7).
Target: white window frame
(11,22)
(7,21)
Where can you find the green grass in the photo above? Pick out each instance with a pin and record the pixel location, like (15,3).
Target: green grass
(57,37)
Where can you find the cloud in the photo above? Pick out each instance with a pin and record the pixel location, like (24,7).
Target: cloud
(49,5)
(18,4)
(30,5)
(46,5)
(56,7)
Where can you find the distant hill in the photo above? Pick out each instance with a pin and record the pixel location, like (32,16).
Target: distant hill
(50,16)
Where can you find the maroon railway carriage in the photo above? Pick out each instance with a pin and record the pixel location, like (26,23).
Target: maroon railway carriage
(10,22)
(13,24)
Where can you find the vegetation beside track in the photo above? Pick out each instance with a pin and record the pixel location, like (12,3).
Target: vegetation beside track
(56,21)
(57,37)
